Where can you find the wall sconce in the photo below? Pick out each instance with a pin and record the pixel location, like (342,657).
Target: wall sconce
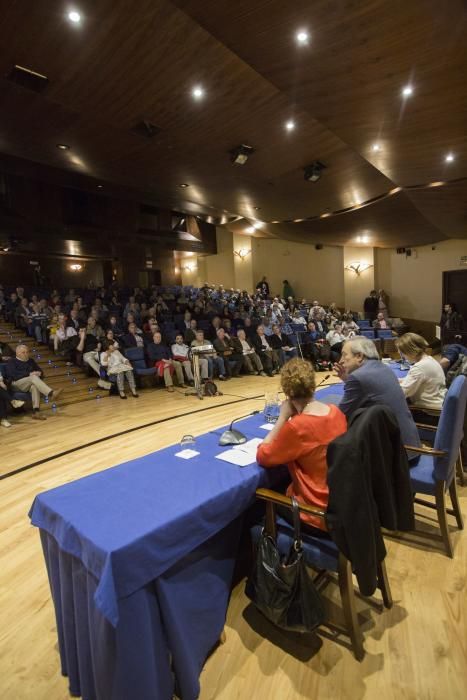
(242,253)
(189,268)
(76,267)
(358,267)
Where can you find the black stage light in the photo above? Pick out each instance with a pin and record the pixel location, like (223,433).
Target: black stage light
(240,154)
(313,172)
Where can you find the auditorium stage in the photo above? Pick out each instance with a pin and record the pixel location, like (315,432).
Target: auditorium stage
(415,651)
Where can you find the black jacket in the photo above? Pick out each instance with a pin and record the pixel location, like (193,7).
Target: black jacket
(369,488)
(19,369)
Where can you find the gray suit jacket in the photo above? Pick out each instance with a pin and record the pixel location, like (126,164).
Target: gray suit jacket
(374,383)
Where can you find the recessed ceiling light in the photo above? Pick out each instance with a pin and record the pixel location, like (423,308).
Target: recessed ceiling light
(250,229)
(359,239)
(376,147)
(198,92)
(437,183)
(74,17)
(99,187)
(407,91)
(302,37)
(290,125)
(365,239)
(183,185)
(395,190)
(449,157)
(325,215)
(63,146)
(257,208)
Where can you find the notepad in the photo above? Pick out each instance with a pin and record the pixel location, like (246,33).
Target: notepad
(241,455)
(267,426)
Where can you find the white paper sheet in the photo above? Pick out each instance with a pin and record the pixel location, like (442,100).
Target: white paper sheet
(267,426)
(187,454)
(241,455)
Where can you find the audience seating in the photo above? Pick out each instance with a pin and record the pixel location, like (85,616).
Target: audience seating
(368,333)
(436,470)
(136,357)
(363,323)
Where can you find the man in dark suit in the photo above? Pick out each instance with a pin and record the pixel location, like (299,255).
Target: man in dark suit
(369,382)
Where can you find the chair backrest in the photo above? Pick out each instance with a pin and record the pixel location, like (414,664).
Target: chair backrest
(384,333)
(450,429)
(136,357)
(368,333)
(364,323)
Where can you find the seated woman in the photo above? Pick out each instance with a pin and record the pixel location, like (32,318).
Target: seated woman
(425,383)
(300,438)
(117,365)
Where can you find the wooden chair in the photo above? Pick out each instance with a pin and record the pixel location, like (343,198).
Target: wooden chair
(322,555)
(435,472)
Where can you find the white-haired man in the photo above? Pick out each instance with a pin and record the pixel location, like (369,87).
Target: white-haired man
(369,382)
(25,375)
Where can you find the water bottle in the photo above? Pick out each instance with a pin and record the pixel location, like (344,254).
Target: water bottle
(46,399)
(98,397)
(54,408)
(49,362)
(73,381)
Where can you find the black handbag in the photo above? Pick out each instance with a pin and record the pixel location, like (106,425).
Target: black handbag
(284,590)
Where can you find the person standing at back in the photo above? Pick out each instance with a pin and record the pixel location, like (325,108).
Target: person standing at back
(369,382)
(371,305)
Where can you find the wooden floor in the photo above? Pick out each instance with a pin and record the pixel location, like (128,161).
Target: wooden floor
(416,651)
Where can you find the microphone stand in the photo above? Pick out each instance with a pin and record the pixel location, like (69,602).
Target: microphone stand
(232,436)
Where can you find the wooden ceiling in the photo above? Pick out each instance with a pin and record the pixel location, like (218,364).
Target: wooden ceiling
(130,61)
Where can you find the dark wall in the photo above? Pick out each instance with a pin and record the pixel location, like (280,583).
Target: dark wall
(16,270)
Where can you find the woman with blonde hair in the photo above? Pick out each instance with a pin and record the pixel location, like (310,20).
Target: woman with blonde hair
(425,383)
(300,438)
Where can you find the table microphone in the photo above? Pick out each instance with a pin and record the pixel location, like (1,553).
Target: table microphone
(322,381)
(232,436)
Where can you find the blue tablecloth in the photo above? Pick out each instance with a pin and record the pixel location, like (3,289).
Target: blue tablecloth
(140,560)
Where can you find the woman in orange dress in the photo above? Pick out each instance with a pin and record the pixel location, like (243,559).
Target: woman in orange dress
(300,439)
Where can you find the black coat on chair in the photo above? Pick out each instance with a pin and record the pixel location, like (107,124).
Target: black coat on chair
(369,482)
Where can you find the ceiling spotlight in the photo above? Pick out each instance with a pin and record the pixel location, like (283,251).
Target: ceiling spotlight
(302,37)
(250,229)
(376,148)
(183,185)
(290,125)
(449,157)
(63,146)
(313,172)
(74,17)
(256,208)
(240,155)
(407,91)
(99,187)
(198,92)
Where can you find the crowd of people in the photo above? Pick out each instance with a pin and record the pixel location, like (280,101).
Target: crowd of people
(240,333)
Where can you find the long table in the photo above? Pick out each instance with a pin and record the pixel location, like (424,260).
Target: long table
(140,559)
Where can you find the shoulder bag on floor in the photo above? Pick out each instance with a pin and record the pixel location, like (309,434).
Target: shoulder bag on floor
(284,590)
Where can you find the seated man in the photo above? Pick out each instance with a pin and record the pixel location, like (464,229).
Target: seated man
(233,360)
(369,382)
(90,347)
(267,355)
(280,342)
(450,354)
(180,354)
(381,322)
(212,357)
(5,352)
(24,374)
(133,339)
(311,341)
(190,333)
(251,361)
(160,355)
